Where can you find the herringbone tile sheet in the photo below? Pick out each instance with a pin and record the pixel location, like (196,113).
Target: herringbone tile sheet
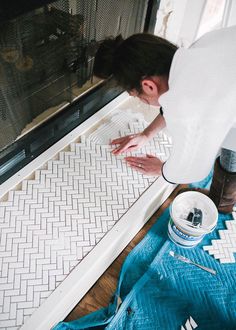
(54,220)
(224,248)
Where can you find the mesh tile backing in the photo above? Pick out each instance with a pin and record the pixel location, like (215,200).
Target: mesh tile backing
(50,224)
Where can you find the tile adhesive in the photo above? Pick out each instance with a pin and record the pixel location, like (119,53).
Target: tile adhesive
(182,230)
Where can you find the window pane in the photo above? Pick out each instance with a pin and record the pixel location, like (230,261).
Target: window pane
(212,16)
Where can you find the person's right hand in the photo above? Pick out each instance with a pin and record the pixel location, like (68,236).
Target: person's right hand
(129,143)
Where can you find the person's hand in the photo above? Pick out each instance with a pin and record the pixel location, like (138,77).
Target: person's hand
(149,165)
(129,143)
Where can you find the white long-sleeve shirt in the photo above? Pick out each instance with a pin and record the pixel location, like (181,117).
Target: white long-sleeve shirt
(200,105)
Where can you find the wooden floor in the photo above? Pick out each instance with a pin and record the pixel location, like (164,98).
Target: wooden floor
(102,291)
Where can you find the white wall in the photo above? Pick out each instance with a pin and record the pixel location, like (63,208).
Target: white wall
(178,20)
(169,19)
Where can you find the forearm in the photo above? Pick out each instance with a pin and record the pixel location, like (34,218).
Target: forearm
(156,125)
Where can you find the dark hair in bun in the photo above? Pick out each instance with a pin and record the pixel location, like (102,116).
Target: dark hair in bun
(134,58)
(103,64)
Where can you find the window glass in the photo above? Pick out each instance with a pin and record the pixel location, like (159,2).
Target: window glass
(212,16)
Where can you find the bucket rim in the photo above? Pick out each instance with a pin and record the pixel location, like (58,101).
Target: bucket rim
(211,206)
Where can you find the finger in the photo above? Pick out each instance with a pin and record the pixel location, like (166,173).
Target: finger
(134,163)
(137,168)
(127,148)
(122,139)
(137,165)
(116,151)
(138,160)
(118,140)
(132,148)
(119,150)
(150,156)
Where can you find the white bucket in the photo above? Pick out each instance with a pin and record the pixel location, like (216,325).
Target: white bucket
(180,230)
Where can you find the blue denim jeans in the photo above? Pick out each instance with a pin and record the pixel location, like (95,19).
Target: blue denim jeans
(228,160)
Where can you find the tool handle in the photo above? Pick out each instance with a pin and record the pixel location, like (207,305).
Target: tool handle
(209,270)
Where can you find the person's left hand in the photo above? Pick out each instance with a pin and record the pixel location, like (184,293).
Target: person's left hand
(149,165)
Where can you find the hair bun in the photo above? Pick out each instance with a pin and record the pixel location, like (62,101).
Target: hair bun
(118,40)
(104,59)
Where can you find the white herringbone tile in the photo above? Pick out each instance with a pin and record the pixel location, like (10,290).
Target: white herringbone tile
(224,248)
(51,223)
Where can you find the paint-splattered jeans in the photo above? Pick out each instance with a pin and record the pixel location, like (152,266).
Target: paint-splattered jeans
(228,160)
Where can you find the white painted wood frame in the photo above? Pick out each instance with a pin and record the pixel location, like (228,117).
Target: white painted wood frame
(64,298)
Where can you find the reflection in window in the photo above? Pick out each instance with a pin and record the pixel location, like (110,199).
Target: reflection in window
(47,54)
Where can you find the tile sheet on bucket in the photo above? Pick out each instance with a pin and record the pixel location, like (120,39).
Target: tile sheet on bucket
(50,224)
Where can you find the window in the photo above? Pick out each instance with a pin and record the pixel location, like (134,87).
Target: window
(212,16)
